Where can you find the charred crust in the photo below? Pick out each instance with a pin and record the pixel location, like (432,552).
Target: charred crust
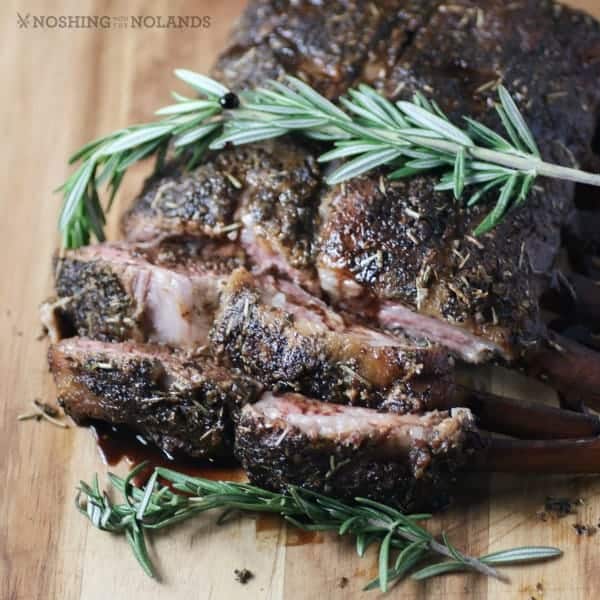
(274,38)
(202,201)
(99,306)
(264,342)
(275,457)
(272,187)
(191,412)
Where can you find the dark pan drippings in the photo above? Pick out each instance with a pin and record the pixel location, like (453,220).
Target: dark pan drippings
(118,443)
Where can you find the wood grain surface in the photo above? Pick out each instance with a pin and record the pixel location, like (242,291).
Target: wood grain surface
(61,88)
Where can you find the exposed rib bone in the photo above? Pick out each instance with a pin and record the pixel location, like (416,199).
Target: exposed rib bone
(527,419)
(569,366)
(576,332)
(548,456)
(577,299)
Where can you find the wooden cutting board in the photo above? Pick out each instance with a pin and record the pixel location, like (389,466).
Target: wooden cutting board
(61,88)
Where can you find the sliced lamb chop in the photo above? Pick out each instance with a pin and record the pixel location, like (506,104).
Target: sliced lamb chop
(407,461)
(266,191)
(275,331)
(291,341)
(402,252)
(182,403)
(118,291)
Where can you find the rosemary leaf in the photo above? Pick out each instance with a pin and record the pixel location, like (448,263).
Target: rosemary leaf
(371,132)
(517,142)
(135,138)
(362,164)
(517,121)
(432,122)
(474,198)
(345,149)
(459,173)
(133,156)
(299,122)
(488,136)
(242,136)
(384,104)
(316,99)
(384,560)
(505,557)
(526,184)
(497,213)
(196,134)
(403,172)
(521,555)
(204,85)
(186,106)
(450,566)
(406,560)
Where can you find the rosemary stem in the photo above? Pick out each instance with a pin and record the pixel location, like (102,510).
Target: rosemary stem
(438,548)
(540,167)
(474,564)
(525,163)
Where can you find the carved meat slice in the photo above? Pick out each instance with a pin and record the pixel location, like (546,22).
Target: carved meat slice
(404,460)
(183,403)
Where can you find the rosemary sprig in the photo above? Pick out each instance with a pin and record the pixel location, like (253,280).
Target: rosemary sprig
(403,542)
(43,411)
(408,137)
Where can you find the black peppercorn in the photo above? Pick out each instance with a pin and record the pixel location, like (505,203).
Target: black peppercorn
(229,100)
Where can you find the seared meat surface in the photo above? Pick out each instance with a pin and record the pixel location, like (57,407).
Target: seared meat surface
(403,252)
(404,460)
(408,246)
(262,194)
(289,340)
(328,46)
(401,249)
(183,403)
(118,291)
(176,202)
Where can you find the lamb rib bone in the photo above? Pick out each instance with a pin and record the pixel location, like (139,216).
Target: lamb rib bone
(409,461)
(279,334)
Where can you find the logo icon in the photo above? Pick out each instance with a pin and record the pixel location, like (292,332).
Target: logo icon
(23,21)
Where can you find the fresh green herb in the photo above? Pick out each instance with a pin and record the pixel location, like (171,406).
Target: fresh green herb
(409,137)
(403,542)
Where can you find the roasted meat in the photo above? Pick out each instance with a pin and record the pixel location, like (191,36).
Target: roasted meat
(118,291)
(350,304)
(329,46)
(262,194)
(402,250)
(408,461)
(275,331)
(183,403)
(405,254)
(407,246)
